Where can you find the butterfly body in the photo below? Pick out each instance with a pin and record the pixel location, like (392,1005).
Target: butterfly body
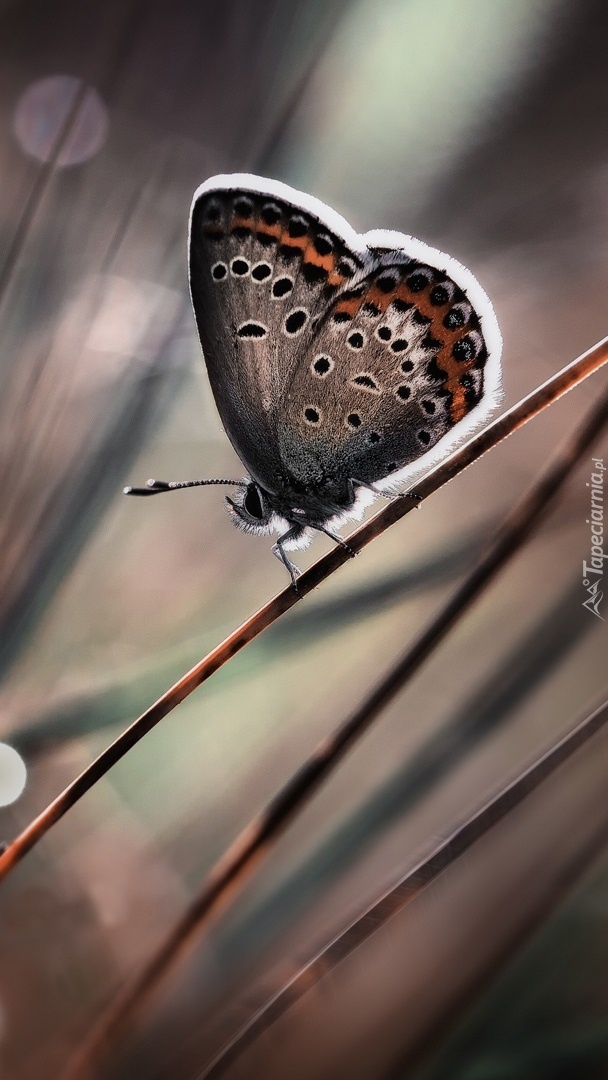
(340,363)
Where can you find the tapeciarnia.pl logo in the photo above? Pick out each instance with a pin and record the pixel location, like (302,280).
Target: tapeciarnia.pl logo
(593,571)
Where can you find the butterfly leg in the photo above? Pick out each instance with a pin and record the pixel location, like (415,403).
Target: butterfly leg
(279,551)
(388,494)
(337,539)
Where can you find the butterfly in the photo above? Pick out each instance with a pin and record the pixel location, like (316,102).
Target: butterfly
(340,363)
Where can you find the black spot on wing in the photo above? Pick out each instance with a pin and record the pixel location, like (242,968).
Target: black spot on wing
(282,286)
(365,381)
(454,319)
(323,244)
(401,305)
(435,372)
(243,206)
(298,226)
(295,321)
(417,282)
(463,350)
(261,272)
(439,296)
(387,283)
(289,251)
(314,275)
(355,340)
(270,214)
(252,330)
(266,239)
(322,365)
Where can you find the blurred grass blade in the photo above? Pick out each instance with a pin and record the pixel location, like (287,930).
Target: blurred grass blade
(495,701)
(518,855)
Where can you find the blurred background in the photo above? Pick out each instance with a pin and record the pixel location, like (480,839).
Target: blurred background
(481,128)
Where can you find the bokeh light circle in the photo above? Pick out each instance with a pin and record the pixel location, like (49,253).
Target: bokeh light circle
(42,111)
(13,774)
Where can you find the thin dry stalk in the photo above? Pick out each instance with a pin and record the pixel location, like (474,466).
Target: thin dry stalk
(554,388)
(253,844)
(420,878)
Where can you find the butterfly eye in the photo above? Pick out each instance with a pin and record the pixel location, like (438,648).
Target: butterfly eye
(253,502)
(353,420)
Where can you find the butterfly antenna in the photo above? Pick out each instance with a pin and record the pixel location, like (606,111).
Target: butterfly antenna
(154,487)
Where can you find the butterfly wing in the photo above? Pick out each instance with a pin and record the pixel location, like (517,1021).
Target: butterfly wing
(407,356)
(333,355)
(265,263)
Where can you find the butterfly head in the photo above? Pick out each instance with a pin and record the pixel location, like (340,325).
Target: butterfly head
(250,509)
